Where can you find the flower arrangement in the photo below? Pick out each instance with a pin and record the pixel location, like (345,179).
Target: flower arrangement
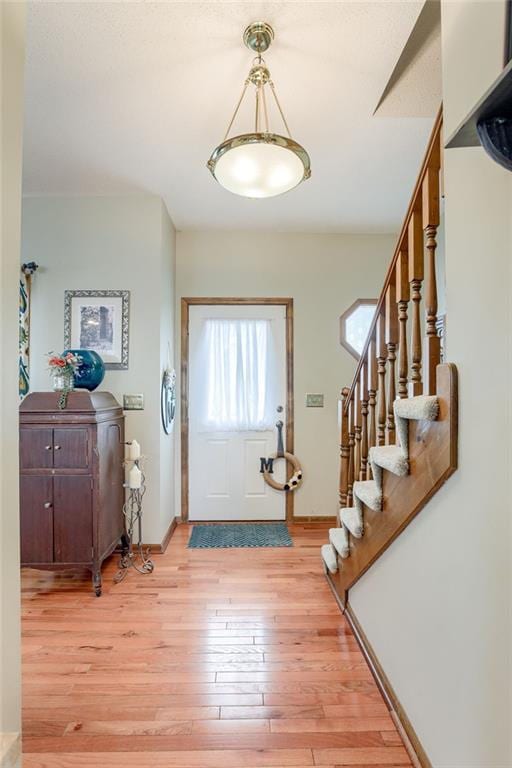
(68,363)
(63,369)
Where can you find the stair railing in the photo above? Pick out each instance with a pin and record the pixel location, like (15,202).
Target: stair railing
(394,362)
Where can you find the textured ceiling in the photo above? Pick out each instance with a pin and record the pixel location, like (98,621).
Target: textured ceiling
(131,97)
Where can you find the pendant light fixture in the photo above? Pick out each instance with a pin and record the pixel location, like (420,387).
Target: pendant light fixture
(261,163)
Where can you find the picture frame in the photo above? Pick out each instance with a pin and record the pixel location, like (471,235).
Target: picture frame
(98,320)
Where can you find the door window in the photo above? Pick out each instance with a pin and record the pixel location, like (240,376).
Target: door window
(238,359)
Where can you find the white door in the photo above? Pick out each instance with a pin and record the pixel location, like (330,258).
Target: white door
(237,382)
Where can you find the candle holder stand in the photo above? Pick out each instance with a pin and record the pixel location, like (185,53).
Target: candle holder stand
(134,555)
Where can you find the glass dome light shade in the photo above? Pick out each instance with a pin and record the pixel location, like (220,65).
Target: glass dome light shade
(259,165)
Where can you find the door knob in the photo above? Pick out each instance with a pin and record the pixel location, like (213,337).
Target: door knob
(47,447)
(47,504)
(57,447)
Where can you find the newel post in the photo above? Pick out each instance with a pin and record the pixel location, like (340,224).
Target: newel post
(344,449)
(430,210)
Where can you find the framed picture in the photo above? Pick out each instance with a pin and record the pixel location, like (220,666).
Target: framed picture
(98,320)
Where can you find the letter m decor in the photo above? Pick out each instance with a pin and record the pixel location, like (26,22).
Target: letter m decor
(267,465)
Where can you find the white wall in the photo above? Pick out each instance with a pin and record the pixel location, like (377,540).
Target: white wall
(111,243)
(436,606)
(12,21)
(324,274)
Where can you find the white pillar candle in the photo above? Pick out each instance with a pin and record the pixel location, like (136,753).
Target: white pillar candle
(134,450)
(135,477)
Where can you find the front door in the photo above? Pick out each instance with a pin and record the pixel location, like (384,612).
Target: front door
(237,393)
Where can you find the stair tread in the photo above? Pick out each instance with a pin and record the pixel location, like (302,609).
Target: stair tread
(390,457)
(369,493)
(421,407)
(352,519)
(329,557)
(339,539)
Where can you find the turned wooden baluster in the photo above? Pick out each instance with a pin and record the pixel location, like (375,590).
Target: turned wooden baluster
(415,245)
(351,448)
(402,298)
(381,370)
(344,449)
(372,399)
(363,378)
(430,200)
(391,318)
(357,431)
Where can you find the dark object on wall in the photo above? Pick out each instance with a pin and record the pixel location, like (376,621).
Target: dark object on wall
(490,122)
(71,481)
(508,32)
(495,135)
(91,372)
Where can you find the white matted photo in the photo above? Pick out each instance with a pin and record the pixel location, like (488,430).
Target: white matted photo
(98,320)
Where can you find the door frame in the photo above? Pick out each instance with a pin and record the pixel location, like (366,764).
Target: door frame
(186,303)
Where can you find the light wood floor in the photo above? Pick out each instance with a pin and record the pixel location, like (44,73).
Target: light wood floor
(219,659)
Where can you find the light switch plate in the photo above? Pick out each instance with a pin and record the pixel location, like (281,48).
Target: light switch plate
(133,402)
(314,401)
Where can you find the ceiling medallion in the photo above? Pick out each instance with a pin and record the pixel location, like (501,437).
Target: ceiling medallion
(262,163)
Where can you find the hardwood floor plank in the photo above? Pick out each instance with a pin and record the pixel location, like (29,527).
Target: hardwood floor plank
(290,758)
(218,659)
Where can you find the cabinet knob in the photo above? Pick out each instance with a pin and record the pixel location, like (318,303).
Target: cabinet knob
(47,447)
(47,504)
(57,447)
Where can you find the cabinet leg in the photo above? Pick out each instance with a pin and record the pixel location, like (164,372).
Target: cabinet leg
(125,544)
(96,582)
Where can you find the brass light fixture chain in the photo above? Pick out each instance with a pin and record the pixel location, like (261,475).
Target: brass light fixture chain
(244,89)
(257,116)
(280,109)
(265,113)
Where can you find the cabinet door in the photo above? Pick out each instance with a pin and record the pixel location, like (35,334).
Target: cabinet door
(71,448)
(72,518)
(36,448)
(36,518)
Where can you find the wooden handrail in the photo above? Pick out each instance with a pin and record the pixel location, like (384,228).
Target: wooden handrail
(423,205)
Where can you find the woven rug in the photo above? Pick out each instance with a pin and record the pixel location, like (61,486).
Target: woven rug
(233,535)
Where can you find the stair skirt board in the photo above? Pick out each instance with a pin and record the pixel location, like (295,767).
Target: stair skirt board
(329,557)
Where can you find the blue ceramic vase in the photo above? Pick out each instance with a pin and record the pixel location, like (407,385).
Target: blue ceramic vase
(91,371)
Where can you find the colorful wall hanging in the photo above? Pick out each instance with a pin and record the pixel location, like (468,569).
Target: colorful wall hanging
(27,270)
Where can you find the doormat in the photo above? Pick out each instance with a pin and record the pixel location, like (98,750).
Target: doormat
(233,535)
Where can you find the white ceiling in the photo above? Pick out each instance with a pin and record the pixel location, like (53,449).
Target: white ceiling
(131,97)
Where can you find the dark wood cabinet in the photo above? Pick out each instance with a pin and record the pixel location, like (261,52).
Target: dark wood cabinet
(71,481)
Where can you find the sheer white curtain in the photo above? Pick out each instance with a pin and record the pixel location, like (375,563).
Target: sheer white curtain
(239,385)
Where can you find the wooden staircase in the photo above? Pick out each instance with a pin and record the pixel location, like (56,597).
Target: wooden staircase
(396,364)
